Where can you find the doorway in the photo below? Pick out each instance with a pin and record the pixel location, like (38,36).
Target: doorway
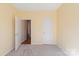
(22,32)
(28,40)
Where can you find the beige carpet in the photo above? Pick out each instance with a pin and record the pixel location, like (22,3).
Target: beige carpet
(37,50)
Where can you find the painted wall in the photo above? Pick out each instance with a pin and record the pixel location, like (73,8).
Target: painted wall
(66,18)
(7,12)
(36,24)
(68,28)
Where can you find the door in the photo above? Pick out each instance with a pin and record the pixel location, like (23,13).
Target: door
(17,33)
(47,31)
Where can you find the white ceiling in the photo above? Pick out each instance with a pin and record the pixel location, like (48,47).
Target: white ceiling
(37,6)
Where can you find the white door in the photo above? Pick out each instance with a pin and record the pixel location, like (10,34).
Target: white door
(47,31)
(17,32)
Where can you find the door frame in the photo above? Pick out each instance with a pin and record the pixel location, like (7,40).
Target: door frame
(15,30)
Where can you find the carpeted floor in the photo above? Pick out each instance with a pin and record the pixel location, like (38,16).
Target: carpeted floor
(37,50)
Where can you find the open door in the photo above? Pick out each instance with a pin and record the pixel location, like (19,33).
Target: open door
(17,32)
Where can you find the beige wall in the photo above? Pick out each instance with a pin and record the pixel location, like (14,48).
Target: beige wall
(7,25)
(36,20)
(7,12)
(65,19)
(68,28)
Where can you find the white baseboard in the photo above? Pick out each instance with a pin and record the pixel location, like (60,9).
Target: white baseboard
(41,44)
(36,43)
